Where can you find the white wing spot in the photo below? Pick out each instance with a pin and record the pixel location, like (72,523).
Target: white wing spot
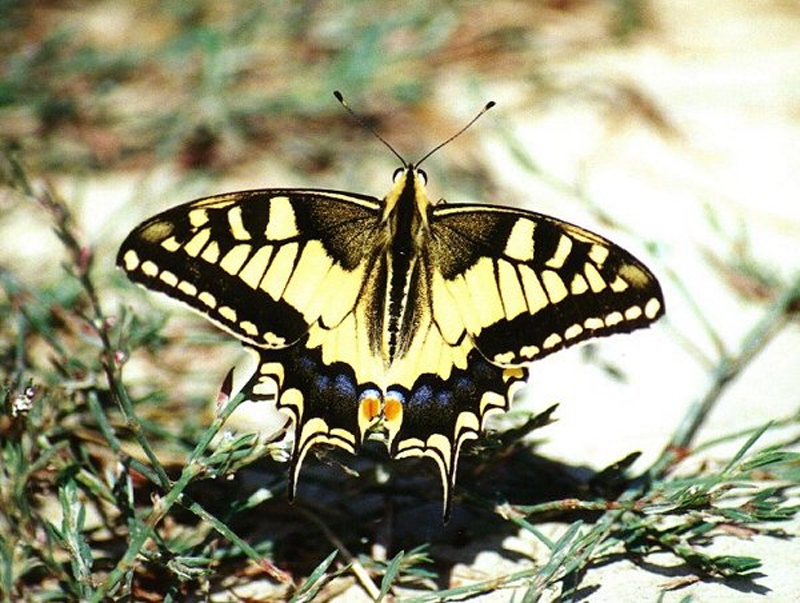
(633,313)
(187,288)
(619,285)
(255,268)
(131,260)
(529,351)
(573,331)
(652,307)
(534,293)
(593,324)
(227,312)
(489,401)
(171,244)
(282,222)
(208,299)
(511,292)
(613,319)
(211,253)
(197,242)
(235,258)
(279,271)
(596,281)
(198,217)
(169,278)
(554,286)
(578,285)
(552,341)
(248,327)
(274,340)
(238,229)
(504,358)
(149,268)
(598,254)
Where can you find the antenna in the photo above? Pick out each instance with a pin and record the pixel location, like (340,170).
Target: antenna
(486,107)
(366,126)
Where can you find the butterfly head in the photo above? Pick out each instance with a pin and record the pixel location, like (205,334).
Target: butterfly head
(407,202)
(410,180)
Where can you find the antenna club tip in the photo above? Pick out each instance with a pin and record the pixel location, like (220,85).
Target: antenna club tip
(338,96)
(489,105)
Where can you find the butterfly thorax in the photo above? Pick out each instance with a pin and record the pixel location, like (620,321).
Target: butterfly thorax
(405,218)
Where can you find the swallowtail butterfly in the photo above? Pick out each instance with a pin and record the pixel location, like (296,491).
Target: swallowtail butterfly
(398,315)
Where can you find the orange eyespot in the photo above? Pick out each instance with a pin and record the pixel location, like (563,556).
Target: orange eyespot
(370,407)
(392,409)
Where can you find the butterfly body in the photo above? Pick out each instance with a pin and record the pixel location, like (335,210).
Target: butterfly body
(398,315)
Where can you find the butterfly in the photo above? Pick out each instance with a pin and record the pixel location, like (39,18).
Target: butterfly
(402,317)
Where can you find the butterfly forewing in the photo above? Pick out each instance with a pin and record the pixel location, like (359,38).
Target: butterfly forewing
(525,285)
(260,264)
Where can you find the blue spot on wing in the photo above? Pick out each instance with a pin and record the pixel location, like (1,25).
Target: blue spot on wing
(345,386)
(421,396)
(433,404)
(330,392)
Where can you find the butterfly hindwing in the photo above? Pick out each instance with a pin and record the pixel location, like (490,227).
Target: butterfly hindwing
(439,415)
(320,398)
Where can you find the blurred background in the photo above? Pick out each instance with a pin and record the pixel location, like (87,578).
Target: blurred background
(672,128)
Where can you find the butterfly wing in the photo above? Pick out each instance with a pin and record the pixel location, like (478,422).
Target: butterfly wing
(256,262)
(506,287)
(275,268)
(526,285)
